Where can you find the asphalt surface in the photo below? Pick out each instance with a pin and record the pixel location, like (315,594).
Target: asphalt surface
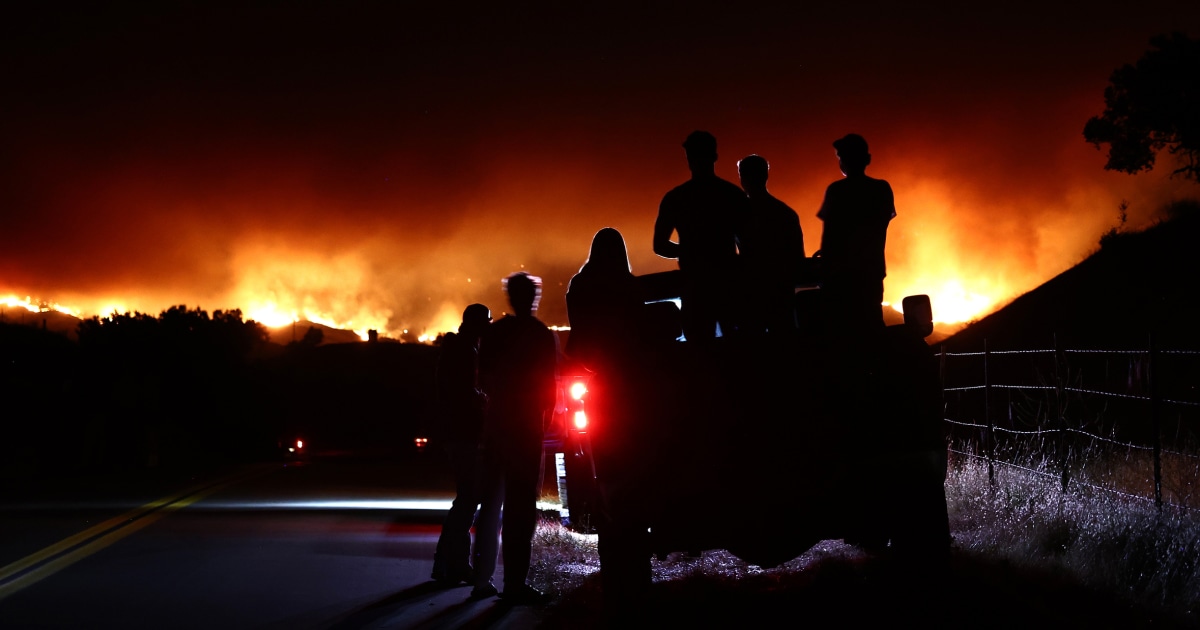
(332,542)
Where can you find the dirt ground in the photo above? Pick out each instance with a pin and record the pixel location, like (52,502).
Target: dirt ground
(836,585)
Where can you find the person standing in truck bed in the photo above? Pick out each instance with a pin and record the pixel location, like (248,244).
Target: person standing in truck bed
(705,212)
(855,214)
(771,251)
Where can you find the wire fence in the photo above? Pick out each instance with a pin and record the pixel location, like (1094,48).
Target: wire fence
(1082,411)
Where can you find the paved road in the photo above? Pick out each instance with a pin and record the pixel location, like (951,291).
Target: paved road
(334,542)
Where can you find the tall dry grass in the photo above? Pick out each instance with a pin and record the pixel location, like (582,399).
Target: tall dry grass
(1104,531)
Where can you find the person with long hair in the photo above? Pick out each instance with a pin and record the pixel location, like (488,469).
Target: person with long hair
(609,337)
(603,303)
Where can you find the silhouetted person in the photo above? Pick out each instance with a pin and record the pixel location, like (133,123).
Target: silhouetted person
(913,494)
(609,327)
(901,505)
(771,251)
(461,404)
(704,212)
(603,304)
(856,212)
(518,367)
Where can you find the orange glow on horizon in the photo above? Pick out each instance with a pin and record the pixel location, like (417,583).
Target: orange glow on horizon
(971,252)
(953,303)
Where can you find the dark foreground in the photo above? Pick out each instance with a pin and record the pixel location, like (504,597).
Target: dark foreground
(835,585)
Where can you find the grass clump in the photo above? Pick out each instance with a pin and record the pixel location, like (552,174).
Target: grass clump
(562,559)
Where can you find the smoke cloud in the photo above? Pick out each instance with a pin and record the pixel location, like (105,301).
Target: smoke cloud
(383,168)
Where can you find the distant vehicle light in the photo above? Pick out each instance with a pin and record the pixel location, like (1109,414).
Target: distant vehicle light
(420,443)
(299,444)
(578,389)
(291,449)
(581,420)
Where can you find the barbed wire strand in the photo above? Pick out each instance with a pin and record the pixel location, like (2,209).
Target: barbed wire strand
(1110,440)
(1034,432)
(1009,464)
(1106,352)
(1094,436)
(1096,392)
(965,424)
(1068,351)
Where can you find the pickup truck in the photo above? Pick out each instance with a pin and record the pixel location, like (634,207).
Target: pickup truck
(759,445)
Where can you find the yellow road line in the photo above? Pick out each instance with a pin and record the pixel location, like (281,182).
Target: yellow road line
(116,528)
(92,532)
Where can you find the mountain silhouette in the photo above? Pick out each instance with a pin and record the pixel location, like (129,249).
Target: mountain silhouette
(1137,285)
(67,325)
(288,333)
(53,321)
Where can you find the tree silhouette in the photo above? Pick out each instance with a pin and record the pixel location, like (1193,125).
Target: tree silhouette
(178,332)
(172,388)
(312,338)
(1152,105)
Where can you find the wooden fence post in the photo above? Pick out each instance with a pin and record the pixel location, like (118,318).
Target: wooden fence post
(989,437)
(1155,426)
(942,380)
(1060,420)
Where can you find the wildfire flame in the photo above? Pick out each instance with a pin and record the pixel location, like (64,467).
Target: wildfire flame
(952,303)
(38,306)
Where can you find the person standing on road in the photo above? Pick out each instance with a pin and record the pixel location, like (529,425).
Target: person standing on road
(461,405)
(704,212)
(518,368)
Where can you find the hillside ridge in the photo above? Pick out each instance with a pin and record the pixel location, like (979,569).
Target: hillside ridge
(1139,285)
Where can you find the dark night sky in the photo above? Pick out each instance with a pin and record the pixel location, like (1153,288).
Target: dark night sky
(382,166)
